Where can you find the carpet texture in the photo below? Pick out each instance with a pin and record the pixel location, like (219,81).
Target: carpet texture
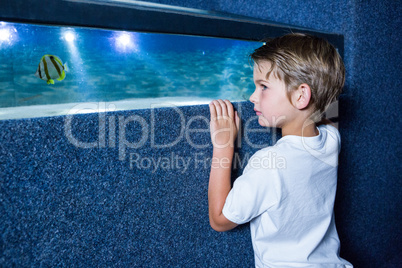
(122,188)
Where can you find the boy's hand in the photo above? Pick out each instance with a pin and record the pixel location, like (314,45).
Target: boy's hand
(224,125)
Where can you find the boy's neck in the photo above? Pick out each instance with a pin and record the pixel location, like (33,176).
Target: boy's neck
(303,130)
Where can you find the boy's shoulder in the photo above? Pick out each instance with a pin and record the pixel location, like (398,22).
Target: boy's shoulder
(269,150)
(331,129)
(327,133)
(298,149)
(326,143)
(268,159)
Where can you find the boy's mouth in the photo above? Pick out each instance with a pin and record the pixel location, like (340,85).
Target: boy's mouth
(257,112)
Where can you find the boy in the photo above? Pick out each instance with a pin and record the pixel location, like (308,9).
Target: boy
(289,207)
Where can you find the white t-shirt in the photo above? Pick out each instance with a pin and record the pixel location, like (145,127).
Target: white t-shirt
(287,193)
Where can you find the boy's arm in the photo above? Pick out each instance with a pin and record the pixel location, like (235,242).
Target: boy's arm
(224,127)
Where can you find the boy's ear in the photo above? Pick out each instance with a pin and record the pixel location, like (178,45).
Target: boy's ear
(302,96)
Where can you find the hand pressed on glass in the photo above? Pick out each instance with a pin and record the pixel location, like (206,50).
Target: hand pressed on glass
(224,125)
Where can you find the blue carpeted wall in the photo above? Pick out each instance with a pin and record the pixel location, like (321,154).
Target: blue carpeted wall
(369,201)
(62,204)
(125,189)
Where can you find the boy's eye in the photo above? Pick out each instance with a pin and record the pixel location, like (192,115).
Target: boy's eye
(263,87)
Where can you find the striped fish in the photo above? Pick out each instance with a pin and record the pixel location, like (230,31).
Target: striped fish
(51,67)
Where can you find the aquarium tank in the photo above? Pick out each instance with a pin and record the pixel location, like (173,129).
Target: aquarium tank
(113,66)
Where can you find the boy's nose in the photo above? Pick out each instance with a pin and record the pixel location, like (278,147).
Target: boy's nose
(253,97)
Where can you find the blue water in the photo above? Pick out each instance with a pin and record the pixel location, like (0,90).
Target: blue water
(106,65)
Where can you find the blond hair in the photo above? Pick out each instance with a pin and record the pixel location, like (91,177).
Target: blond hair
(299,58)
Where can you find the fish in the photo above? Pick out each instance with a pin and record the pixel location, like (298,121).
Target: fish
(50,68)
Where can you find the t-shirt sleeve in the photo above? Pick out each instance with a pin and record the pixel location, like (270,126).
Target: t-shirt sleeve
(254,192)
(334,134)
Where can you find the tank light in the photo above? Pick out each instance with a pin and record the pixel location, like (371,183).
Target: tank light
(124,40)
(69,36)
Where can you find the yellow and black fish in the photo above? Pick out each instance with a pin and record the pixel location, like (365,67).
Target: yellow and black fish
(51,67)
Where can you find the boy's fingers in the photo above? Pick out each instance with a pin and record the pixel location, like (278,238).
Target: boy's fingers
(212,110)
(230,108)
(223,107)
(218,108)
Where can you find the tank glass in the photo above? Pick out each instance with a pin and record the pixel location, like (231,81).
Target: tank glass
(107,65)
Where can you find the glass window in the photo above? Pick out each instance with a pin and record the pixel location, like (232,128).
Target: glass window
(107,66)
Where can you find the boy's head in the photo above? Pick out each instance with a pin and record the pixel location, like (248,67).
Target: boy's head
(299,59)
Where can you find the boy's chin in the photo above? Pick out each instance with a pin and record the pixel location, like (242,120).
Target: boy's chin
(263,121)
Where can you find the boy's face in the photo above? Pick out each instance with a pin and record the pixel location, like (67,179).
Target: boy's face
(270,100)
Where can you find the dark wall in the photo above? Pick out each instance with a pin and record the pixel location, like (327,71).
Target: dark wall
(369,202)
